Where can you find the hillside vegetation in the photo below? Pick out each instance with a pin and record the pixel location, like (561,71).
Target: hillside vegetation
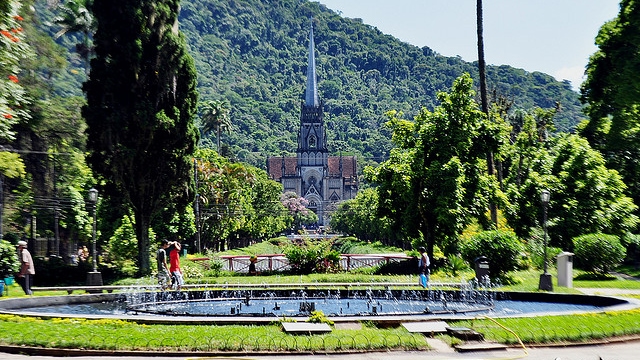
(253,54)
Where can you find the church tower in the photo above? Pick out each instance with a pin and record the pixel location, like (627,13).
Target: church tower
(312,139)
(323,180)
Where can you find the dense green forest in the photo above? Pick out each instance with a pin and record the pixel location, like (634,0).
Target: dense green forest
(253,54)
(410,112)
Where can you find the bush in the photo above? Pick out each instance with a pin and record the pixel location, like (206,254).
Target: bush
(535,251)
(598,252)
(455,265)
(307,257)
(501,248)
(55,271)
(632,243)
(9,263)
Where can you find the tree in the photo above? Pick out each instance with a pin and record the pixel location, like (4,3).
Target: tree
(265,215)
(612,94)
(76,17)
(433,183)
(586,196)
(483,96)
(13,50)
(215,116)
(141,99)
(358,217)
(297,207)
(240,203)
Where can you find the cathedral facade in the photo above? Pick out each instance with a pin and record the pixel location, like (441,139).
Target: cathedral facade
(322,179)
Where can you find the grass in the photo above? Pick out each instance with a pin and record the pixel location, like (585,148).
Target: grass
(122,335)
(558,329)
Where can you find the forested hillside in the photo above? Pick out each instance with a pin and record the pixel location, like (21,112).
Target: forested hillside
(253,54)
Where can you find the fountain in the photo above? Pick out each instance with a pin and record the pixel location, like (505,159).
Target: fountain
(347,302)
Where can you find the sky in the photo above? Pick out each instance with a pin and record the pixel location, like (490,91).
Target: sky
(552,36)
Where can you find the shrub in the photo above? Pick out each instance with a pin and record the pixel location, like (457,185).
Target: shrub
(9,263)
(501,248)
(598,252)
(307,257)
(55,271)
(317,316)
(455,265)
(632,243)
(535,250)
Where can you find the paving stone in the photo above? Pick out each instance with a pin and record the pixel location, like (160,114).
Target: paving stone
(348,326)
(426,327)
(479,346)
(306,328)
(464,333)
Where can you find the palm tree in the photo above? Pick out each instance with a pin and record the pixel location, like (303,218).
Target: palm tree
(483,96)
(215,116)
(75,17)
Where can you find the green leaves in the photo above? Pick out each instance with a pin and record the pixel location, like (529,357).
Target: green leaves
(432,185)
(598,252)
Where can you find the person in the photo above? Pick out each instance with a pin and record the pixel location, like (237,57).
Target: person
(423,267)
(85,253)
(27,270)
(177,280)
(164,276)
(252,265)
(81,254)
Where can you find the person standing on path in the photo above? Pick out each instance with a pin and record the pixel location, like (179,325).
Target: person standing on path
(423,267)
(177,280)
(27,270)
(164,276)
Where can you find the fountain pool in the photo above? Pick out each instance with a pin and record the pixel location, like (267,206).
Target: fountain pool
(240,305)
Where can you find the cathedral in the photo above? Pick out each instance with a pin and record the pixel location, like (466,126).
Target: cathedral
(323,180)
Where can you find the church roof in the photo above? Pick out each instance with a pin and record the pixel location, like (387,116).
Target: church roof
(349,166)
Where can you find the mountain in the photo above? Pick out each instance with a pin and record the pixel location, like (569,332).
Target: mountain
(253,53)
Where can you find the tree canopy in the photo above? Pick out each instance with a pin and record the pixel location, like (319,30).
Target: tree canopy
(434,182)
(141,99)
(612,94)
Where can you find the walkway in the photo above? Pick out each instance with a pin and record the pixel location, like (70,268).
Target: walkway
(607,351)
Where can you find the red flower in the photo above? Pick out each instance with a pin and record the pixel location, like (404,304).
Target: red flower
(7,116)
(13,78)
(18,17)
(6,33)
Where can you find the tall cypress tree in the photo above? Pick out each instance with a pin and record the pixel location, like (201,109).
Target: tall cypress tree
(141,98)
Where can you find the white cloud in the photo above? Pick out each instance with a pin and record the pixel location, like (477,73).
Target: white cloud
(574,74)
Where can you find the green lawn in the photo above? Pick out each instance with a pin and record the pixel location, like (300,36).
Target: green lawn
(122,335)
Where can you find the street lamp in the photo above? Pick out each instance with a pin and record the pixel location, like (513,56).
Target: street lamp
(94,277)
(545,278)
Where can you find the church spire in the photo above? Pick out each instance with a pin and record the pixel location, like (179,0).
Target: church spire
(311,95)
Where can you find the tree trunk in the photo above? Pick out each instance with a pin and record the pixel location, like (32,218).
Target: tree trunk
(142,233)
(483,98)
(218,138)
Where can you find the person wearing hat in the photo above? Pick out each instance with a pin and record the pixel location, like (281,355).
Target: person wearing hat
(27,270)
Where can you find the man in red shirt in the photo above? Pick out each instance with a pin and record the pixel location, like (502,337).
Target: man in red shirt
(177,279)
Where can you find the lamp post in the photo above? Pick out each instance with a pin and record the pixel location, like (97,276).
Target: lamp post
(94,277)
(545,278)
